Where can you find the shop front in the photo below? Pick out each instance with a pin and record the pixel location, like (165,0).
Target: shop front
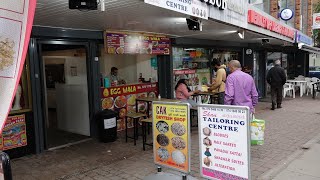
(135,57)
(277,45)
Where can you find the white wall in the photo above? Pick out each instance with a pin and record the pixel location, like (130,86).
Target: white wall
(81,68)
(314,60)
(129,66)
(144,67)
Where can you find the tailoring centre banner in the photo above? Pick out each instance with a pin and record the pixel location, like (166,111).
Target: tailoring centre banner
(224,142)
(16,19)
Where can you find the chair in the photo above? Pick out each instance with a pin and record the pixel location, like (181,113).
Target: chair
(287,87)
(135,117)
(145,124)
(315,79)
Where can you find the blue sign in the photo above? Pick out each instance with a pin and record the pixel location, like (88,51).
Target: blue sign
(302,38)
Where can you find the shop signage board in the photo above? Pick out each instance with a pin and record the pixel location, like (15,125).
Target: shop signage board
(14,133)
(235,12)
(171,135)
(224,142)
(262,21)
(133,43)
(316,21)
(122,99)
(302,38)
(16,19)
(194,8)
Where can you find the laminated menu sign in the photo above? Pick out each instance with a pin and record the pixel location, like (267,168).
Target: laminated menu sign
(131,43)
(16,19)
(171,135)
(224,142)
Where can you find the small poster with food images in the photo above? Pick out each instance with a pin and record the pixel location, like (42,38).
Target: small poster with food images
(224,142)
(14,133)
(171,135)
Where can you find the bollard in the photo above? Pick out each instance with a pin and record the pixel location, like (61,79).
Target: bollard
(5,167)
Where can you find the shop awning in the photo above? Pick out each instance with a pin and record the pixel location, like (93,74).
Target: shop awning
(310,49)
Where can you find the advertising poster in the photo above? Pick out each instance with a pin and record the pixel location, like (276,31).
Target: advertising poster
(16,19)
(171,136)
(130,43)
(122,99)
(224,142)
(14,133)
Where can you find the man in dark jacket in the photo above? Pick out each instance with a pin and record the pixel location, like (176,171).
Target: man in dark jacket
(276,77)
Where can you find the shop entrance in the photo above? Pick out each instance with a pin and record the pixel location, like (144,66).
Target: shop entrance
(271,57)
(65,94)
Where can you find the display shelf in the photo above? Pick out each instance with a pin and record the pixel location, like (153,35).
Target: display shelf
(20,111)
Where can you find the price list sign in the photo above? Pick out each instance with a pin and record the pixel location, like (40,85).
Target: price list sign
(224,142)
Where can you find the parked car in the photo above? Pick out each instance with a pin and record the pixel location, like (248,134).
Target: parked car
(314,71)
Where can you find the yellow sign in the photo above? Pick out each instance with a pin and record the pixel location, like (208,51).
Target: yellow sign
(171,136)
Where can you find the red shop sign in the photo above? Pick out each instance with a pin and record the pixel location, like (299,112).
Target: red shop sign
(262,21)
(128,89)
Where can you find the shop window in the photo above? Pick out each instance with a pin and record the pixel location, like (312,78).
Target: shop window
(22,101)
(192,64)
(263,5)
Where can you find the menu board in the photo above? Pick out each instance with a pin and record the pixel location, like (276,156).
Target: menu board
(171,136)
(224,142)
(14,133)
(122,99)
(126,43)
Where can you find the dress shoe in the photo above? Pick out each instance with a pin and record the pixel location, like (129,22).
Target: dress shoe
(279,106)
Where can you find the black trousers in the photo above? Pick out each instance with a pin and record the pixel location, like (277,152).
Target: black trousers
(276,94)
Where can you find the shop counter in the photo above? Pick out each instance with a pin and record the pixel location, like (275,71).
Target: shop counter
(122,99)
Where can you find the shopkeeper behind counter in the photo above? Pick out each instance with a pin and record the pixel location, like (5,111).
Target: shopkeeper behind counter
(114,78)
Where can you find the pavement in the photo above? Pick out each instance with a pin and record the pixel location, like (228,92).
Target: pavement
(290,140)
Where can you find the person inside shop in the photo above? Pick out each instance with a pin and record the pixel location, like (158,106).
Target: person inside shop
(114,76)
(218,85)
(183,92)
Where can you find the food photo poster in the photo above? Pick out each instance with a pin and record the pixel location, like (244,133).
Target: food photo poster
(171,136)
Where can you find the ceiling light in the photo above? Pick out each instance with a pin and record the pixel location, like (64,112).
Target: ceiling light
(241,34)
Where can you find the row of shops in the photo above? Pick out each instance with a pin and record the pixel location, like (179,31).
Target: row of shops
(64,81)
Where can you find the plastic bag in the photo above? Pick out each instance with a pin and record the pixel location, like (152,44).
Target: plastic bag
(257,131)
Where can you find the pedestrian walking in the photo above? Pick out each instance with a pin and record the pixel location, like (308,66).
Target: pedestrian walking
(276,77)
(240,88)
(218,84)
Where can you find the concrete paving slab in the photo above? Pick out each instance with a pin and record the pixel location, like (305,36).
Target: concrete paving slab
(308,163)
(290,175)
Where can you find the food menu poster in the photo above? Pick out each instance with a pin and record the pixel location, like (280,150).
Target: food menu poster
(122,99)
(171,136)
(224,142)
(130,43)
(14,133)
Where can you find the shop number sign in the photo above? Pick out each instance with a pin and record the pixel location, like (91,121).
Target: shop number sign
(224,142)
(171,135)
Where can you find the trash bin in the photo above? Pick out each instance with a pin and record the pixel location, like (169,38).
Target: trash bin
(107,125)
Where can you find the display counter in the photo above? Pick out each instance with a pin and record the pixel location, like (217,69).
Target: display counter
(122,99)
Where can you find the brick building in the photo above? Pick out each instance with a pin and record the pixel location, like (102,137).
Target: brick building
(302,9)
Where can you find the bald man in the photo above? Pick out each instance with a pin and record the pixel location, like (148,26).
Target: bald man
(240,88)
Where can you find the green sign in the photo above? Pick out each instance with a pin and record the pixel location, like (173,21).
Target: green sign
(154,62)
